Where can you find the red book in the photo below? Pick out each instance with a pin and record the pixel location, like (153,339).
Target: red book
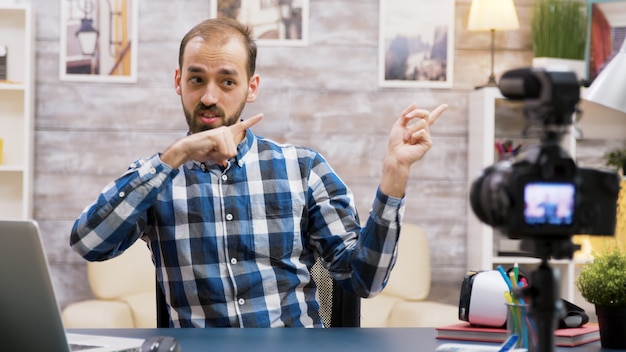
(562,337)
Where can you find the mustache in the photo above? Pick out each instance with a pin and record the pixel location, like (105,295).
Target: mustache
(213,109)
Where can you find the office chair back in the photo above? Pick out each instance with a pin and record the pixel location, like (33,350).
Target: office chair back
(338,308)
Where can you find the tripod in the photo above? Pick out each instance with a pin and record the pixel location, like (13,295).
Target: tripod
(543,289)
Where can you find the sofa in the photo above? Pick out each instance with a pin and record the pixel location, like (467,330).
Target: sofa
(124,293)
(404,301)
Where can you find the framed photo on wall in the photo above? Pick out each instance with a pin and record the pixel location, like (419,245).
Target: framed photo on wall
(607,33)
(98,40)
(416,43)
(273,22)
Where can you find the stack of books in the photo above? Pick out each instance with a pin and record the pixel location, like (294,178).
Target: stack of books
(569,337)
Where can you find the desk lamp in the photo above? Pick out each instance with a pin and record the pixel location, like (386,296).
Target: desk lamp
(609,87)
(604,116)
(492,15)
(603,104)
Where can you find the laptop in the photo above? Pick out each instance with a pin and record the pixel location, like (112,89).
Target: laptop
(30,318)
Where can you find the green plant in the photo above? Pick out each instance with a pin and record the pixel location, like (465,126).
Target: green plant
(617,159)
(559,29)
(603,281)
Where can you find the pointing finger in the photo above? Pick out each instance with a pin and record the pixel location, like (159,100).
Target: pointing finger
(434,115)
(245,124)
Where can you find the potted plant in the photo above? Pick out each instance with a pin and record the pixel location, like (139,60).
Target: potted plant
(617,159)
(602,282)
(559,34)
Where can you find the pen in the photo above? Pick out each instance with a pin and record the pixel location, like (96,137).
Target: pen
(505,277)
(516,272)
(500,148)
(513,281)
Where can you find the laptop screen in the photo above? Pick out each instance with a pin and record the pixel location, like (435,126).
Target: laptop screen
(30,315)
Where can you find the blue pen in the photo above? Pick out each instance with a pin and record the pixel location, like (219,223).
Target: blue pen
(505,277)
(509,343)
(521,285)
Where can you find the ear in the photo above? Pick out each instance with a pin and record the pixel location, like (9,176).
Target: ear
(177,81)
(253,88)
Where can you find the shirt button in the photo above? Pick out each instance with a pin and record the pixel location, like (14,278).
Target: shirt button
(233,261)
(241,301)
(229,217)
(121,194)
(152,170)
(224,177)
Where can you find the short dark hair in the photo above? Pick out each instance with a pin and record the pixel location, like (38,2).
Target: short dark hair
(222,27)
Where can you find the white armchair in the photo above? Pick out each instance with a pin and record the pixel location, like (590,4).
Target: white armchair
(403,302)
(124,293)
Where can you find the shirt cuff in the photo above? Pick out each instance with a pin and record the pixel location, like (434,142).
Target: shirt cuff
(388,208)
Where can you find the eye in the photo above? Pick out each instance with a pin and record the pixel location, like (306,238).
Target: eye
(229,82)
(195,80)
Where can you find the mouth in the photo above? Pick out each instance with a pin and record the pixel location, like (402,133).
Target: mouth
(208,117)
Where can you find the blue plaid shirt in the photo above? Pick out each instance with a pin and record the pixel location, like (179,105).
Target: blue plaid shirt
(233,246)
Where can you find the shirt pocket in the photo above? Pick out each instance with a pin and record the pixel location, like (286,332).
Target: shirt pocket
(276,228)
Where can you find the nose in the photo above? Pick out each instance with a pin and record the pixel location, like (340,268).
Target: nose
(210,95)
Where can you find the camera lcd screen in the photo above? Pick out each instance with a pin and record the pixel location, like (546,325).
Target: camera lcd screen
(549,203)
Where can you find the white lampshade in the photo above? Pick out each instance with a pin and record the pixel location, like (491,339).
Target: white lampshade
(609,87)
(604,103)
(498,15)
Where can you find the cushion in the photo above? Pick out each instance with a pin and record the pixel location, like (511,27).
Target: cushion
(410,278)
(97,314)
(129,273)
(143,309)
(375,311)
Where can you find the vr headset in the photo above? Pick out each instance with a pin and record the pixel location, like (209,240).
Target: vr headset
(482,302)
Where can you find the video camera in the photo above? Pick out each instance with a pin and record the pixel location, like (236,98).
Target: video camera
(543,194)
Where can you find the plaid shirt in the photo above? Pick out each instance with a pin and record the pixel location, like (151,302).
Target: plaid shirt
(233,246)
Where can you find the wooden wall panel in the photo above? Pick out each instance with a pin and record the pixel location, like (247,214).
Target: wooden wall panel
(324,95)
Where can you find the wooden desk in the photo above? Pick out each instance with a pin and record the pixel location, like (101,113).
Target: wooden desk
(302,340)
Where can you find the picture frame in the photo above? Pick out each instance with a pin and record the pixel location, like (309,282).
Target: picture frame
(273,22)
(416,43)
(98,40)
(605,33)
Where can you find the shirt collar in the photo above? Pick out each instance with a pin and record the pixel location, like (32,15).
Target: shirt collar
(245,146)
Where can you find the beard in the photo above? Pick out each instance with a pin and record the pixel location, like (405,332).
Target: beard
(195,125)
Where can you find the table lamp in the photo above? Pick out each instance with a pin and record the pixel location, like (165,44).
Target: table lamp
(492,15)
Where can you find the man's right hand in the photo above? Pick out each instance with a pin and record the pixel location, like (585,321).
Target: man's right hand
(217,145)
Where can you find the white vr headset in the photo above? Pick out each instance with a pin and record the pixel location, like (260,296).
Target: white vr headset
(482,302)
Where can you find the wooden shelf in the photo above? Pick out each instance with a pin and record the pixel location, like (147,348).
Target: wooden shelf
(16,112)
(494,118)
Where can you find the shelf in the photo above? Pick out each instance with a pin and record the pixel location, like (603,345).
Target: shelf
(493,118)
(11,168)
(16,112)
(12,86)
(533,260)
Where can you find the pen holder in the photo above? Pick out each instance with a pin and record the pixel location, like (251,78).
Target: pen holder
(518,322)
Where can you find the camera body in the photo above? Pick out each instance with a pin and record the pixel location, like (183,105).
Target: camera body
(543,193)
(546,194)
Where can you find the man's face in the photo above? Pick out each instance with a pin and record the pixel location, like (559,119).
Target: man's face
(213,83)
